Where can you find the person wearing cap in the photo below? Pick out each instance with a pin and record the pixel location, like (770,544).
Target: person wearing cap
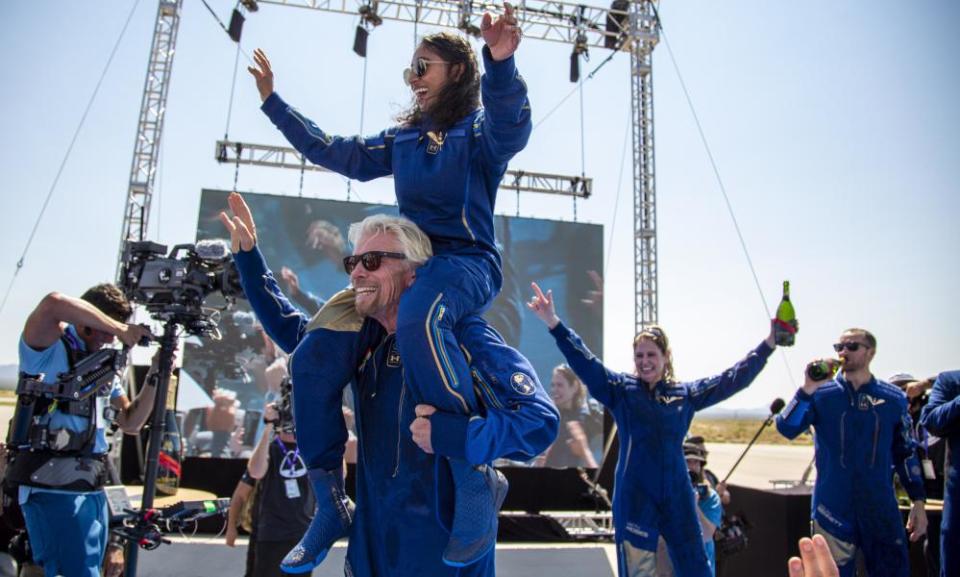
(719,486)
(863,432)
(931,452)
(941,417)
(709,507)
(653,410)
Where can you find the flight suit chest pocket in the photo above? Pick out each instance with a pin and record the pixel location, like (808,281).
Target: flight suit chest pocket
(430,171)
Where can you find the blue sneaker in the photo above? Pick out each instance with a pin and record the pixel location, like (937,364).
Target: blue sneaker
(330,522)
(478,494)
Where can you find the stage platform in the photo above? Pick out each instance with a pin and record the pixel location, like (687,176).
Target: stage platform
(205,556)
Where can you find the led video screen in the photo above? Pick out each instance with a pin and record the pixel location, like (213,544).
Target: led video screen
(225,383)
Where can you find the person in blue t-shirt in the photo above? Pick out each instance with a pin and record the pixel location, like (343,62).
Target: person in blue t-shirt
(709,508)
(63,504)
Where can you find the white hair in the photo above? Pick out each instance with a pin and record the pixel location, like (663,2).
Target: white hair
(414,243)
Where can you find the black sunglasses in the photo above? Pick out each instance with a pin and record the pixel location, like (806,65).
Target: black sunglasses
(419,68)
(851,346)
(371,260)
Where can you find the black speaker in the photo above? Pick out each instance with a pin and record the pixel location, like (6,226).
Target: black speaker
(360,41)
(236,25)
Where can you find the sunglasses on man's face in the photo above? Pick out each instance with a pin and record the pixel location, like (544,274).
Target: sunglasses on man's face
(850,346)
(418,69)
(371,260)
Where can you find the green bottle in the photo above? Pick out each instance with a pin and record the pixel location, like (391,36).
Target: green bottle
(785,324)
(823,369)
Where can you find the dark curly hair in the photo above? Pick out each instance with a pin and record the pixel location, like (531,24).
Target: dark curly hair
(461,95)
(110,300)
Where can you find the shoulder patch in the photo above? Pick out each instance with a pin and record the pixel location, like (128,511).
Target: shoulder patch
(522,384)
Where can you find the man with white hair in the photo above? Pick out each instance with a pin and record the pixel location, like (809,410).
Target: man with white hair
(404,493)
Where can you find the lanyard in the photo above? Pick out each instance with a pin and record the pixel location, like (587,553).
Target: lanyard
(292,465)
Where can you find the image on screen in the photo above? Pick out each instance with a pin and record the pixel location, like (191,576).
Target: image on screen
(225,383)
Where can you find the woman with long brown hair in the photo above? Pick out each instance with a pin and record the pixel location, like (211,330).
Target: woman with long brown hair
(653,495)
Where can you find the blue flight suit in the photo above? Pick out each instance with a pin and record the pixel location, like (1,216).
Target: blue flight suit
(652,492)
(447,184)
(861,436)
(941,416)
(401,524)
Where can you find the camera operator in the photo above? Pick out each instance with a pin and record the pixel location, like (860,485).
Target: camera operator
(284,503)
(59,481)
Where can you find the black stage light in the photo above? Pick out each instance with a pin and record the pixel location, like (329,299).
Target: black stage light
(236,26)
(579,47)
(250,5)
(360,41)
(616,23)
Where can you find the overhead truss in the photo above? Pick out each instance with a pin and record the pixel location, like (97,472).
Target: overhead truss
(284,157)
(541,20)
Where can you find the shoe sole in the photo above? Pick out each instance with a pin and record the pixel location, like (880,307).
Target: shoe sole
(301,569)
(501,496)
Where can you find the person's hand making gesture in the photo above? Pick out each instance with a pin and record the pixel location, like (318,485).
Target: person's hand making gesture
(243,232)
(502,35)
(262,73)
(542,306)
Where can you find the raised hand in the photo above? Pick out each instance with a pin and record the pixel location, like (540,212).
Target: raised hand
(292,280)
(502,34)
(814,561)
(262,73)
(542,306)
(243,231)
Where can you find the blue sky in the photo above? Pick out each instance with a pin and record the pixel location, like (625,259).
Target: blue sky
(833,124)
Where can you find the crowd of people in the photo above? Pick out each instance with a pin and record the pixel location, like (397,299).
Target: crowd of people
(438,395)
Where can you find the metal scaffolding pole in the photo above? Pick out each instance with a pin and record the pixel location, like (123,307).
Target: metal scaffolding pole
(645,35)
(146,147)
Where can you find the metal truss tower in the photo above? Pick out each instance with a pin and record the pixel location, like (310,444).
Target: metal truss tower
(146,148)
(644,32)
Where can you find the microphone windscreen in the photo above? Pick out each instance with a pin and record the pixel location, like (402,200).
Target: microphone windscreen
(777,406)
(215,249)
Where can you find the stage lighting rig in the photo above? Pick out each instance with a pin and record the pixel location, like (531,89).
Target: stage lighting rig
(579,20)
(368,19)
(469,27)
(579,47)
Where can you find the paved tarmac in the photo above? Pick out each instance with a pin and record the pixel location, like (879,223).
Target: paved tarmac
(762,463)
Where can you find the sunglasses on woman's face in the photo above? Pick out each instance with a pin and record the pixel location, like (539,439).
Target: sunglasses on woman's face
(371,260)
(419,68)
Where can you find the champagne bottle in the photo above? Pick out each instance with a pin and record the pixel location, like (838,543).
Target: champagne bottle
(785,324)
(823,369)
(171,456)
